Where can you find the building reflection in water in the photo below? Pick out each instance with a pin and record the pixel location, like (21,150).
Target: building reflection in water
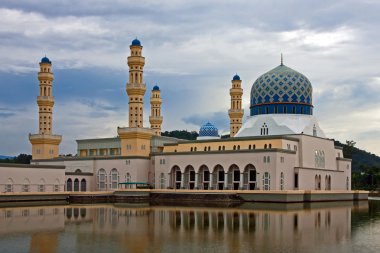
(252,227)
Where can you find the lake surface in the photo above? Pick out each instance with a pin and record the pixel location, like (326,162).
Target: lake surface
(317,227)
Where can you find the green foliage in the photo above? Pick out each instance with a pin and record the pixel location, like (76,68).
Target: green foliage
(360,158)
(181,134)
(21,158)
(365,167)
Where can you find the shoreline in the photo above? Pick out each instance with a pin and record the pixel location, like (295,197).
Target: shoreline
(183,196)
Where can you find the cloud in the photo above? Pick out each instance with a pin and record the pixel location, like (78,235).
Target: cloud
(192,50)
(219,119)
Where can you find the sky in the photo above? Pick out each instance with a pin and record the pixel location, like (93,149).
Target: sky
(192,50)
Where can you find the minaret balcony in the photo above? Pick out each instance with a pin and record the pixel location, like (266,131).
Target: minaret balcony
(45,98)
(45,138)
(236,112)
(45,101)
(155,119)
(45,76)
(136,86)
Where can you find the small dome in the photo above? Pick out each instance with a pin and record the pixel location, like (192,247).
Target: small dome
(45,60)
(208,130)
(136,42)
(236,78)
(156,87)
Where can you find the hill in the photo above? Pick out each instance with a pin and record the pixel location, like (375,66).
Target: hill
(361,159)
(6,157)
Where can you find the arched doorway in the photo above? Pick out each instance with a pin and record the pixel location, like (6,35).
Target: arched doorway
(218,177)
(83,185)
(204,177)
(175,177)
(234,177)
(76,185)
(189,177)
(69,185)
(250,177)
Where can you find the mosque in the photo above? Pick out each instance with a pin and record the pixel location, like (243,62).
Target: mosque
(280,146)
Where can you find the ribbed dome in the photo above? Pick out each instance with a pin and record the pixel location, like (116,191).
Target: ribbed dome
(281,90)
(236,77)
(208,130)
(156,87)
(45,60)
(136,42)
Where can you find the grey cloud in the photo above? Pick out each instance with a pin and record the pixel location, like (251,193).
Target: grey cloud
(219,119)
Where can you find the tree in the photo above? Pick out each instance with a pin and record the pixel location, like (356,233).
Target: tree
(23,158)
(349,149)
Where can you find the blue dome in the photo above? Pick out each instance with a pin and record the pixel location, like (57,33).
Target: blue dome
(45,60)
(136,42)
(156,87)
(208,129)
(236,78)
(281,90)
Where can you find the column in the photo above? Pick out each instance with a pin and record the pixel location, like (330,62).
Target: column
(210,183)
(241,181)
(196,181)
(225,180)
(182,178)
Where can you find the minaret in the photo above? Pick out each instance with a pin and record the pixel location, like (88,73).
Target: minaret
(135,87)
(155,118)
(44,144)
(235,113)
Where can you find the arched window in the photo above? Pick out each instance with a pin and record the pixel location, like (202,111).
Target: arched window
(114,179)
(102,179)
(195,148)
(238,147)
(250,146)
(76,185)
(266,181)
(83,185)
(205,148)
(282,181)
(270,145)
(9,185)
(264,129)
(234,147)
(254,146)
(220,147)
(41,185)
(191,149)
(26,185)
(209,148)
(69,185)
(265,146)
(265,159)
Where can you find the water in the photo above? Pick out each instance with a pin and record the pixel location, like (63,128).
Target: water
(317,227)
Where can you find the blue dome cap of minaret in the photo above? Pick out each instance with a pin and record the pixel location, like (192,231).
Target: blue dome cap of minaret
(45,60)
(208,130)
(136,42)
(236,78)
(156,87)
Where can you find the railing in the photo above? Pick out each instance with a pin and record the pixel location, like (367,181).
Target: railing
(46,98)
(136,85)
(40,136)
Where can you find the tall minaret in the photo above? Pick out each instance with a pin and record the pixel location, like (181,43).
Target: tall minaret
(155,118)
(135,87)
(235,113)
(44,144)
